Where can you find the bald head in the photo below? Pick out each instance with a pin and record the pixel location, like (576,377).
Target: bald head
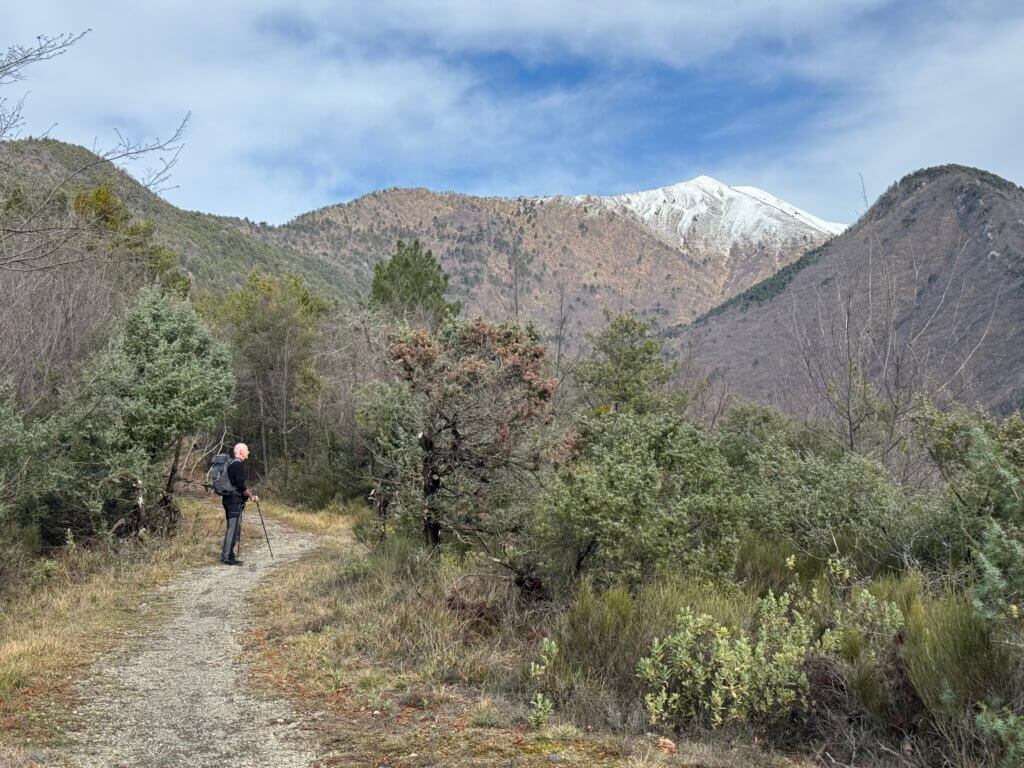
(241,451)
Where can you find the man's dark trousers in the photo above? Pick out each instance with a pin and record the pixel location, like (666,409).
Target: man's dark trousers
(233,506)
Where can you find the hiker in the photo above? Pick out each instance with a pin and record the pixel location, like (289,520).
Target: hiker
(234,503)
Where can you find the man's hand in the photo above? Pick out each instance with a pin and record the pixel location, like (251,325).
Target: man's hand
(255,498)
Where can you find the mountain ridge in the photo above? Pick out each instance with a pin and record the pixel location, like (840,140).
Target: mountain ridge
(545,257)
(563,261)
(218,250)
(695,194)
(559,262)
(947,240)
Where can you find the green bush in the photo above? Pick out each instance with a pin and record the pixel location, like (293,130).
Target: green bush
(864,637)
(627,369)
(590,657)
(748,428)
(102,457)
(169,373)
(388,414)
(1004,730)
(709,674)
(820,503)
(14,452)
(981,462)
(647,494)
(999,568)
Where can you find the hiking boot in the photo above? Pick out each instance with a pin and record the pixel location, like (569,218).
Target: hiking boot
(233,561)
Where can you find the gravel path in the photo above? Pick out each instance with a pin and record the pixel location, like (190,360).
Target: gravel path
(177,695)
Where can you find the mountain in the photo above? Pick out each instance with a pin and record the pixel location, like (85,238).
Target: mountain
(705,216)
(672,253)
(928,284)
(218,250)
(749,286)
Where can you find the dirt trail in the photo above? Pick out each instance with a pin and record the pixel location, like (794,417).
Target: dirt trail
(177,695)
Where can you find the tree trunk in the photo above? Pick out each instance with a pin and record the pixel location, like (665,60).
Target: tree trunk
(169,488)
(263,439)
(431,484)
(431,529)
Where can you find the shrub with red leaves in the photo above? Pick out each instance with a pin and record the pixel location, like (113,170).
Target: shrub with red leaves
(485,397)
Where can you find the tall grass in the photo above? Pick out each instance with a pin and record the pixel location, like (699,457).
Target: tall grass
(431,615)
(945,687)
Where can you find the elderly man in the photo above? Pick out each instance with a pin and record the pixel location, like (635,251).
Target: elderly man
(234,503)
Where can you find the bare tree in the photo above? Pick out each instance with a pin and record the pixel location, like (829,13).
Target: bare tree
(708,397)
(561,322)
(13,64)
(62,270)
(873,346)
(38,232)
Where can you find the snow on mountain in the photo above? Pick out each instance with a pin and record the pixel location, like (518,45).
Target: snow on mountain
(706,212)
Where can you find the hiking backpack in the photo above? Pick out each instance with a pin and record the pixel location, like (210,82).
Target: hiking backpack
(219,475)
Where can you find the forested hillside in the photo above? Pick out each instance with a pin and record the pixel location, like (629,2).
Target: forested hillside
(218,251)
(562,261)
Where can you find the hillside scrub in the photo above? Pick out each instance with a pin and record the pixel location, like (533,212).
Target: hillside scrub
(755,576)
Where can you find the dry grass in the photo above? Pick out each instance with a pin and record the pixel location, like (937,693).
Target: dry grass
(81,605)
(401,675)
(333,523)
(15,757)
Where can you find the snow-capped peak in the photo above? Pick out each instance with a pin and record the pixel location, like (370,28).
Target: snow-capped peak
(709,210)
(829,227)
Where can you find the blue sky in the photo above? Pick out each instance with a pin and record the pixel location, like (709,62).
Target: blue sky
(303,104)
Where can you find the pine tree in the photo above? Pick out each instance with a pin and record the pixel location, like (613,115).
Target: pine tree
(412,285)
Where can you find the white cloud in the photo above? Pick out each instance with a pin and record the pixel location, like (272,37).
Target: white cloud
(953,97)
(297,105)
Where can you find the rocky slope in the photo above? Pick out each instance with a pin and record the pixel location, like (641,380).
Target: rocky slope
(930,279)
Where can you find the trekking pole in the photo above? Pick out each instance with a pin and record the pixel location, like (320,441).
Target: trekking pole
(265,535)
